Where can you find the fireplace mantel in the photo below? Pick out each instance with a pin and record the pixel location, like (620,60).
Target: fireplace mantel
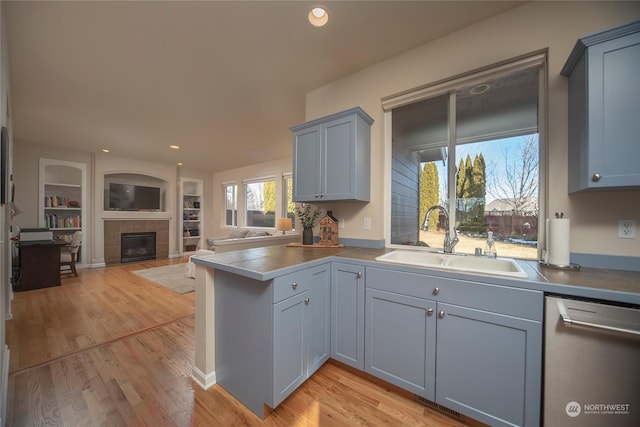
(135,215)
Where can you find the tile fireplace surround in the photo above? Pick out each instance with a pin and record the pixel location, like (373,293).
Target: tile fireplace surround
(114,228)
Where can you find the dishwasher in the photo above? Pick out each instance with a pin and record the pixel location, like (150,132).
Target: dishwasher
(592,364)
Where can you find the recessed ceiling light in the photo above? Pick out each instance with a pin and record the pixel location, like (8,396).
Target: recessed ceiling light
(175,147)
(179,163)
(318,16)
(105,150)
(478,89)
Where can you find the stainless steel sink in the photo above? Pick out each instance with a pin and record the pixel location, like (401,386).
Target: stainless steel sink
(495,266)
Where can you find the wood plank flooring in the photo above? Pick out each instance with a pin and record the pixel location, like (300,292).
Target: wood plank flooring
(110,348)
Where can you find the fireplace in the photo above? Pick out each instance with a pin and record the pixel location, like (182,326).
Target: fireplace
(137,246)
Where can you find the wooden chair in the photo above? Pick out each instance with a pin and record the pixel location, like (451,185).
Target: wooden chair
(69,255)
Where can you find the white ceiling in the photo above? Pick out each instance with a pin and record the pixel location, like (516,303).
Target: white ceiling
(223,79)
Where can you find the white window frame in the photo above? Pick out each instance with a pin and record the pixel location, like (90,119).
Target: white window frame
(224,204)
(284,201)
(262,179)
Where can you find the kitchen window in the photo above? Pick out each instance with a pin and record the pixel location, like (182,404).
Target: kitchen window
(474,146)
(260,202)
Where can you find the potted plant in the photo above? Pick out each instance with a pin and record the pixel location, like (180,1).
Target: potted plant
(307,219)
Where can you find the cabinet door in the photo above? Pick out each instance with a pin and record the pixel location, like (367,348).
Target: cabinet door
(306,164)
(614,94)
(347,314)
(290,346)
(338,159)
(319,319)
(400,341)
(489,366)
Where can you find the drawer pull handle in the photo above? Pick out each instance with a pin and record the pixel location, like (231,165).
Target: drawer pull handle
(441,314)
(596,177)
(294,285)
(359,275)
(429,311)
(436,291)
(306,301)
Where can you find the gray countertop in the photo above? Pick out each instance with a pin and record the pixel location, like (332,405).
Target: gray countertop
(267,263)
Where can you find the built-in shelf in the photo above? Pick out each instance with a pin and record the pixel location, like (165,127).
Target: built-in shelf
(63,197)
(190,213)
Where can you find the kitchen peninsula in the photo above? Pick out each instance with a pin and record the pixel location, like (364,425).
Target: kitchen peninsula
(272,322)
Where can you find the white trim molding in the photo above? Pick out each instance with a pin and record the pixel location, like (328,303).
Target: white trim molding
(205,381)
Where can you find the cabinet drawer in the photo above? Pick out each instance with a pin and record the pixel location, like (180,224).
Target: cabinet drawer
(501,299)
(400,282)
(289,285)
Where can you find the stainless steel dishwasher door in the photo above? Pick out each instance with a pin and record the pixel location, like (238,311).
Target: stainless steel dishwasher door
(592,364)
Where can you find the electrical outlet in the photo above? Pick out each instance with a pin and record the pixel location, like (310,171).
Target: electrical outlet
(366,223)
(626,229)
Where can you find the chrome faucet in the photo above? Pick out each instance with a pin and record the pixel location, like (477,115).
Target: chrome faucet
(449,242)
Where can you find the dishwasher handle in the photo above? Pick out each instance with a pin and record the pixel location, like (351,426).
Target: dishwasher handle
(567,320)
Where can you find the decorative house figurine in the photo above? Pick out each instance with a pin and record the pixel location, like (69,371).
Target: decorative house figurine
(329,230)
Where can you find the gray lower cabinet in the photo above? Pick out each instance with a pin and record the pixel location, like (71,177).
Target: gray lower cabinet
(401,341)
(270,335)
(604,93)
(319,331)
(332,158)
(347,314)
(291,345)
(472,347)
(301,330)
(489,365)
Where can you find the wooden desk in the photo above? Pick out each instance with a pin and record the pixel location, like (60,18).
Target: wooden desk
(39,264)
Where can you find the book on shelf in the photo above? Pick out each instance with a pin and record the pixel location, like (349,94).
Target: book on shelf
(59,221)
(60,202)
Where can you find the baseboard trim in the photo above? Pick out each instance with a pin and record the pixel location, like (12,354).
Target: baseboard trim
(205,381)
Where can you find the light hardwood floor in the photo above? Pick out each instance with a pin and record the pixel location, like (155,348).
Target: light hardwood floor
(110,348)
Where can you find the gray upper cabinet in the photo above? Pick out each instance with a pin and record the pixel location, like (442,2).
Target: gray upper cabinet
(604,126)
(332,158)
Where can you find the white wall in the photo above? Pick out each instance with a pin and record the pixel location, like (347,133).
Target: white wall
(5,243)
(538,25)
(275,168)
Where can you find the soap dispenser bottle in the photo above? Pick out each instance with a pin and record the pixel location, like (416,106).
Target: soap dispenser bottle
(490,246)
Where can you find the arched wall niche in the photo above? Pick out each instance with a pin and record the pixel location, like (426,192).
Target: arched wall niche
(131,191)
